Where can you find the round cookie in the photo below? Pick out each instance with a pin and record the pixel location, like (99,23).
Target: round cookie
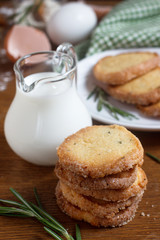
(98,208)
(113,181)
(122,68)
(152,110)
(111,194)
(143,90)
(121,218)
(98,151)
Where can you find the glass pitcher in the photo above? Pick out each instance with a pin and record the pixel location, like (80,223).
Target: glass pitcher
(46,107)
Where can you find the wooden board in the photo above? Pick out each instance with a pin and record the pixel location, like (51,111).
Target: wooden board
(23,176)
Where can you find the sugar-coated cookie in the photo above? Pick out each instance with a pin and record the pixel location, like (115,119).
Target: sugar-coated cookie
(143,90)
(113,181)
(116,195)
(99,208)
(121,68)
(121,218)
(152,110)
(98,151)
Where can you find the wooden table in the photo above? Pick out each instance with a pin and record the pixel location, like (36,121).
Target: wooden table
(17,173)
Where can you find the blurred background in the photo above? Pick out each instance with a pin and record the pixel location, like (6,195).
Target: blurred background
(34,13)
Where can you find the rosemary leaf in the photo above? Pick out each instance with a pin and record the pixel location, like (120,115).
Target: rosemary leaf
(111,109)
(13,215)
(78,233)
(50,224)
(125,114)
(16,194)
(100,96)
(13,203)
(53,234)
(49,221)
(71,238)
(96,96)
(26,12)
(92,93)
(114,114)
(99,105)
(49,217)
(6,210)
(153,157)
(37,198)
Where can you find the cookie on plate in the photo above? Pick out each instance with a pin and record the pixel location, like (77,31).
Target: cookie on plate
(98,151)
(152,110)
(143,90)
(122,68)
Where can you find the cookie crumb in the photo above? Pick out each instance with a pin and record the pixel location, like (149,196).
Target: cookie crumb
(148,215)
(142,214)
(152,205)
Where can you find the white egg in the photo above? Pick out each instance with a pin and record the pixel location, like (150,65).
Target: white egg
(73,22)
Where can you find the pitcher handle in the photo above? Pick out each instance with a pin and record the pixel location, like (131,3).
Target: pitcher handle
(68,49)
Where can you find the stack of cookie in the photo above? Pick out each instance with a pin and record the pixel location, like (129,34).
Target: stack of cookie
(100,176)
(133,78)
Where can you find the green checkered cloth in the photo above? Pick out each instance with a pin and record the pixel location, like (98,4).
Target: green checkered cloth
(131,24)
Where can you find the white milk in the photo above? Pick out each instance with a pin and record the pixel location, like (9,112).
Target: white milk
(37,122)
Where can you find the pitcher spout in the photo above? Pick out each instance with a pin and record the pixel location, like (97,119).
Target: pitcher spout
(59,65)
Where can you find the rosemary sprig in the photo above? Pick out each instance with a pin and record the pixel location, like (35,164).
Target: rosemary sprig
(25,14)
(153,157)
(100,97)
(31,8)
(27,209)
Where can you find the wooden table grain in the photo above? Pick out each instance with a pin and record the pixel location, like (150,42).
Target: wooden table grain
(23,176)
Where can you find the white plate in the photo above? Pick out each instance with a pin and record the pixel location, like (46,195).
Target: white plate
(85,85)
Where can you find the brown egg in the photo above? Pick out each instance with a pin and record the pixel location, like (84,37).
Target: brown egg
(21,40)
